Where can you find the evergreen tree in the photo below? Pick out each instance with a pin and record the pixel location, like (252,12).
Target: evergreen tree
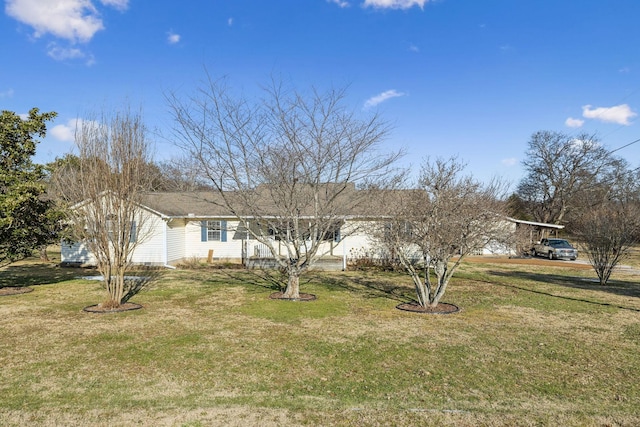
(29,219)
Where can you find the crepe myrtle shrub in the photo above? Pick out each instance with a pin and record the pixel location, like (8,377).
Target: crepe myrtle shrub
(104,185)
(290,160)
(446,216)
(607,233)
(610,227)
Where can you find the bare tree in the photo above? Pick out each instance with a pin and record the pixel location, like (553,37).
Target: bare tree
(607,234)
(447,217)
(286,166)
(609,229)
(183,174)
(107,181)
(562,172)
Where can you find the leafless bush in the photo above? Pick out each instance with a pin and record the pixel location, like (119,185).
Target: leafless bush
(106,183)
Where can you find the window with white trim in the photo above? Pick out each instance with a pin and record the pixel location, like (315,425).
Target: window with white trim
(214,231)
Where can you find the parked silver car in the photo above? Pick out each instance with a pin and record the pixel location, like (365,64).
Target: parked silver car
(555,249)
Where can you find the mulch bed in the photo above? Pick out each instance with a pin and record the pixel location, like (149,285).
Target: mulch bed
(98,308)
(14,290)
(303,297)
(441,308)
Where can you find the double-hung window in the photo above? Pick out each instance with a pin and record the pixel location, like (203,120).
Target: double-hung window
(113,227)
(213,231)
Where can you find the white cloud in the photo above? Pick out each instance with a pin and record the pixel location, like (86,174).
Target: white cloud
(65,132)
(574,123)
(619,114)
(118,4)
(394,4)
(173,38)
(61,53)
(6,94)
(414,48)
(230,22)
(74,20)
(375,100)
(511,161)
(341,3)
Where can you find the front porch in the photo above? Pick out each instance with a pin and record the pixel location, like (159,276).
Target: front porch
(259,255)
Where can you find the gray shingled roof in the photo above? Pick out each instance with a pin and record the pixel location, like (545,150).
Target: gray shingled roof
(181,204)
(202,204)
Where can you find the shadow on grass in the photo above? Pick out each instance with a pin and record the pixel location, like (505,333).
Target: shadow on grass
(620,288)
(367,287)
(263,279)
(272,280)
(140,283)
(370,287)
(34,274)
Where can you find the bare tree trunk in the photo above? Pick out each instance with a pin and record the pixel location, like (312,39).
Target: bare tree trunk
(444,273)
(118,293)
(422,290)
(439,293)
(293,285)
(44,256)
(423,287)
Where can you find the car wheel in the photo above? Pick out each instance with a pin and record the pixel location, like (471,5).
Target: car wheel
(550,255)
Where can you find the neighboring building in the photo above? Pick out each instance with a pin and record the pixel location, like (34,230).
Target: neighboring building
(527,233)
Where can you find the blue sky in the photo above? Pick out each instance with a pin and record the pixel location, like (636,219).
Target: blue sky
(454,77)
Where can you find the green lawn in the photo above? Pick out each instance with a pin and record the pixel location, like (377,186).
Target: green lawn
(532,346)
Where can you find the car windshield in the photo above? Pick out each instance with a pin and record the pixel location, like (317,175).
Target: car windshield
(560,244)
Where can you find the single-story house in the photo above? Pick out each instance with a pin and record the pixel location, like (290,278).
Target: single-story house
(183,226)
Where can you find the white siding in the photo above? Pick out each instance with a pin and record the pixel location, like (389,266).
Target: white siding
(498,249)
(76,253)
(161,242)
(357,240)
(360,242)
(353,240)
(257,249)
(194,247)
(175,240)
(150,249)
